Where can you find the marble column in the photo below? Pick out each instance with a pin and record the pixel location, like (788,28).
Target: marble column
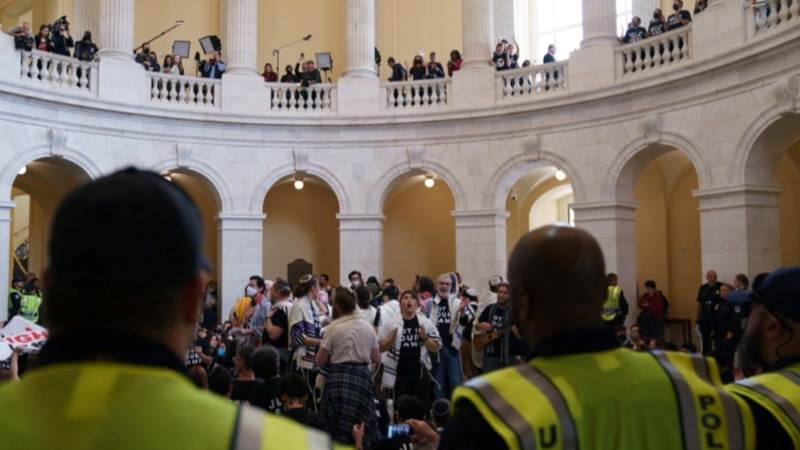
(6,209)
(478,31)
(739,230)
(85,19)
(599,22)
(504,20)
(613,224)
(360,245)
(480,246)
(116,29)
(241,254)
(360,38)
(241,37)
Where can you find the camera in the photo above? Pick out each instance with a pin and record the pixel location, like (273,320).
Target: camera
(60,21)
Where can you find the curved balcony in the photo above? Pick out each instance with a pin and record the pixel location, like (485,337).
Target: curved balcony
(713,107)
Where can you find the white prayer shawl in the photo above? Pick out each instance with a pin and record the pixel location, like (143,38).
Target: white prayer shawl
(454,303)
(304,321)
(391,358)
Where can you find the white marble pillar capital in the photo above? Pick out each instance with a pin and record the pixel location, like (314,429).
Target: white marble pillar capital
(116,29)
(360,244)
(739,230)
(360,38)
(241,252)
(480,245)
(241,37)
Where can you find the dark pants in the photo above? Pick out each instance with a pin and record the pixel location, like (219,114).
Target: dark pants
(417,384)
(707,333)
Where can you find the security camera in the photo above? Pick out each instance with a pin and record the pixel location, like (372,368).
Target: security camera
(514,195)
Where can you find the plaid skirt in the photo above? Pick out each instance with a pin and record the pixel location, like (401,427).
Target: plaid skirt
(348,399)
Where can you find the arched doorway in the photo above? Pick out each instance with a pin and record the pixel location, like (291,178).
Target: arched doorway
(788,177)
(540,197)
(207,199)
(37,191)
(301,224)
(419,231)
(667,229)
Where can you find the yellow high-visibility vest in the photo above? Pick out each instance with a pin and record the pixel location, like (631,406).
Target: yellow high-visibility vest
(29,307)
(777,392)
(611,305)
(616,399)
(117,406)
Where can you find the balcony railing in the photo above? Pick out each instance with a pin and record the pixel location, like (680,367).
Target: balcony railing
(186,92)
(653,53)
(416,95)
(773,14)
(293,97)
(532,81)
(59,72)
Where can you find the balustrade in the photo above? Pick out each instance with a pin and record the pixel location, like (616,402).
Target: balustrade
(416,95)
(532,81)
(59,72)
(191,92)
(295,97)
(772,14)
(656,52)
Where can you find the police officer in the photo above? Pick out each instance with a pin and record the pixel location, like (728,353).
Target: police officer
(111,374)
(615,308)
(708,301)
(15,296)
(581,389)
(30,302)
(772,343)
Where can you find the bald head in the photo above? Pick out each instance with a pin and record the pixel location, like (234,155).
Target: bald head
(557,275)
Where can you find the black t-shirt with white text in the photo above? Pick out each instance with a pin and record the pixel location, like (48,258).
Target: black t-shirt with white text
(494,315)
(634,34)
(242,390)
(443,321)
(500,61)
(674,21)
(410,349)
(265,395)
(657,27)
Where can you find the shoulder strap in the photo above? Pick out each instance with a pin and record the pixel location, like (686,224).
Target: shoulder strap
(525,436)
(249,429)
(377,322)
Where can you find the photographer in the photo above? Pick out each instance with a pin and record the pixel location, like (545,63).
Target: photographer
(85,49)
(148,59)
(214,67)
(23,38)
(62,40)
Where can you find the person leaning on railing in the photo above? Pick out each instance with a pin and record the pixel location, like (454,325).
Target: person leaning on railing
(23,38)
(85,49)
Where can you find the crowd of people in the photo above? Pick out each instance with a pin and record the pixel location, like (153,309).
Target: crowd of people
(660,24)
(55,38)
(370,364)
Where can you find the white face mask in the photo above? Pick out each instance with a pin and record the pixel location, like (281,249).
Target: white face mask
(251,291)
(356,283)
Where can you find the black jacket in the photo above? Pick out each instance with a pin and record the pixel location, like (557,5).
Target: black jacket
(62,44)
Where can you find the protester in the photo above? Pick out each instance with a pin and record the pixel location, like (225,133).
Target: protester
(347,350)
(305,331)
(294,397)
(265,362)
(443,312)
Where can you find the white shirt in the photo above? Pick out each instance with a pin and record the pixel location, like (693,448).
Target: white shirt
(350,339)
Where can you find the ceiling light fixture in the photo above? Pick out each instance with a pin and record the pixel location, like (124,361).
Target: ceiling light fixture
(429,181)
(298,183)
(560,175)
(23,171)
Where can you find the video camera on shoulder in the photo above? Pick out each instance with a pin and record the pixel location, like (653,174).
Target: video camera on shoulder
(61,21)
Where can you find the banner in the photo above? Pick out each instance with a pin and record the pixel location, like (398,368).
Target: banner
(23,334)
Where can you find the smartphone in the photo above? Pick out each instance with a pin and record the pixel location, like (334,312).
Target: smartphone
(402,431)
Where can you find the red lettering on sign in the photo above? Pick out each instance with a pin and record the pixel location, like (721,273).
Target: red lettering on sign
(23,339)
(38,336)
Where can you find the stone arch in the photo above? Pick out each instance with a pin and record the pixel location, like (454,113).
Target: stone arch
(761,147)
(388,180)
(286,170)
(215,180)
(20,160)
(634,157)
(512,170)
